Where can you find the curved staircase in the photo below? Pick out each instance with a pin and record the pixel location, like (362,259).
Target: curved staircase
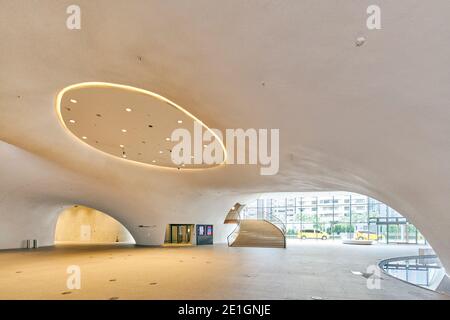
(255,232)
(259,233)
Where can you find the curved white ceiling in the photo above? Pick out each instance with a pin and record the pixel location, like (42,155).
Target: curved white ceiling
(126,122)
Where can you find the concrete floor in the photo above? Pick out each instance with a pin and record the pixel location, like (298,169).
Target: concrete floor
(304,270)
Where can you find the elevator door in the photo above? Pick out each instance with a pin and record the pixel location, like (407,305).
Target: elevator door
(181,233)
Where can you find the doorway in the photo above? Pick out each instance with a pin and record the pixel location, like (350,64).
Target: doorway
(179,233)
(395,230)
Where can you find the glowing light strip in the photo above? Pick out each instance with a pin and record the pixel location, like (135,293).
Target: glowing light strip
(138,90)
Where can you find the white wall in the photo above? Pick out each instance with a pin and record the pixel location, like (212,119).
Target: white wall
(34,192)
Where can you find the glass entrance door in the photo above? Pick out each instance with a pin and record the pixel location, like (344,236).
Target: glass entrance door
(394,230)
(395,234)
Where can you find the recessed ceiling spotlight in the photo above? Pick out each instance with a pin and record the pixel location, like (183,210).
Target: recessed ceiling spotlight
(204,146)
(160,151)
(167,139)
(154,161)
(84,137)
(72,121)
(122,146)
(124,155)
(180,121)
(128,109)
(124,130)
(73,101)
(183,165)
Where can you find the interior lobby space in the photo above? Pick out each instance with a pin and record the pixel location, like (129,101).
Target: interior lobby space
(302,271)
(212,149)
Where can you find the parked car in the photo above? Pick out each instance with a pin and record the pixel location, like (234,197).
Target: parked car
(312,234)
(365,235)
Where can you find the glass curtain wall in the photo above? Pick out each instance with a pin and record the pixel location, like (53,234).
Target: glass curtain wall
(337,215)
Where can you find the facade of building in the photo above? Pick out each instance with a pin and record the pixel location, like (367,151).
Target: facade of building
(338,215)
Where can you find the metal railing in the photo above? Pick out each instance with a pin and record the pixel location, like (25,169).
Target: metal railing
(420,263)
(233,235)
(277,223)
(269,217)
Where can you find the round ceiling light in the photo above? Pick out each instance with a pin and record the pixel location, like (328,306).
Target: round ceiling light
(106,133)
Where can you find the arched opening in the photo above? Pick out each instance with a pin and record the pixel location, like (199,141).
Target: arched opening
(335,216)
(331,216)
(340,222)
(83,225)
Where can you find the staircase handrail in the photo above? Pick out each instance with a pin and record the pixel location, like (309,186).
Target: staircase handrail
(235,230)
(279,224)
(276,221)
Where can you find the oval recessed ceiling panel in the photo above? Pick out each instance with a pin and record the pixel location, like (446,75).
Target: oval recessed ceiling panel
(130,123)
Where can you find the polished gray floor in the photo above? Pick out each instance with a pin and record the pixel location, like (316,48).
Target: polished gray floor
(305,270)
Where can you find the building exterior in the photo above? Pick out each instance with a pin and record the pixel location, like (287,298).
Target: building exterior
(339,214)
